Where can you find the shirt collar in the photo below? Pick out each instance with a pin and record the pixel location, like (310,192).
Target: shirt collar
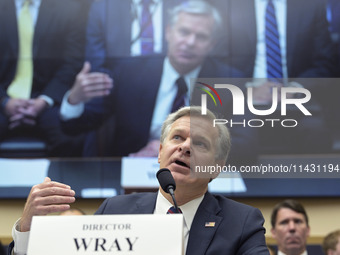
(189,209)
(20,3)
(282,1)
(172,75)
(281,253)
(138,2)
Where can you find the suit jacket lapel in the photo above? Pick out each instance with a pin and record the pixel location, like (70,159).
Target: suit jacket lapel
(118,16)
(47,11)
(10,24)
(251,28)
(147,204)
(291,33)
(154,80)
(201,235)
(245,21)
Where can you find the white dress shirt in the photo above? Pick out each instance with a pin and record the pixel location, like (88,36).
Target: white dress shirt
(20,239)
(34,8)
(281,253)
(188,210)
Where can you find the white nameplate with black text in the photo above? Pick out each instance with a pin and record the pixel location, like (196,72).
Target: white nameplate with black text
(107,234)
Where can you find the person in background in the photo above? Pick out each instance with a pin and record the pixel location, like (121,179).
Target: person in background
(158,86)
(41,52)
(284,43)
(331,243)
(290,228)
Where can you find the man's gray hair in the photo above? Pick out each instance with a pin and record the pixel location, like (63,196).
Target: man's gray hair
(198,7)
(224,140)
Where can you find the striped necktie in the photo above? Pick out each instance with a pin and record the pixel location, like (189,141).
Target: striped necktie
(273,50)
(22,83)
(146,36)
(182,89)
(173,210)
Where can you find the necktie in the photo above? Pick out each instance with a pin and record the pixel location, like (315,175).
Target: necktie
(22,83)
(181,94)
(273,50)
(173,210)
(146,27)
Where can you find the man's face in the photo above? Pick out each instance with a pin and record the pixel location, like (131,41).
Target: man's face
(290,231)
(184,148)
(190,39)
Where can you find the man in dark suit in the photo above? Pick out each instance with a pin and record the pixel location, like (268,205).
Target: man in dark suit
(290,227)
(309,50)
(55,36)
(188,140)
(145,87)
(115,29)
(306,52)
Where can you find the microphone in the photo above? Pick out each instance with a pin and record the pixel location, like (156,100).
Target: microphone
(167,183)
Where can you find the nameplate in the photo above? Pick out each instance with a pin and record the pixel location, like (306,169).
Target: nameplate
(139,172)
(107,234)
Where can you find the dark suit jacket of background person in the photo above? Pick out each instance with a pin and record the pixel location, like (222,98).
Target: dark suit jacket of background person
(58,55)
(133,99)
(109,30)
(310,53)
(311,250)
(58,46)
(309,49)
(238,227)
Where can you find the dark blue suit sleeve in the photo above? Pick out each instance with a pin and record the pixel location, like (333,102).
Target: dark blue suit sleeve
(95,113)
(253,239)
(10,248)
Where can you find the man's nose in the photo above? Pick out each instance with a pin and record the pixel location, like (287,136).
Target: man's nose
(191,39)
(185,147)
(291,226)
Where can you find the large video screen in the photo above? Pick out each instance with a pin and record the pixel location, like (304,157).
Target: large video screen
(281,64)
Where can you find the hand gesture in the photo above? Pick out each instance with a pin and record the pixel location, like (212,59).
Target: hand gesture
(89,85)
(44,198)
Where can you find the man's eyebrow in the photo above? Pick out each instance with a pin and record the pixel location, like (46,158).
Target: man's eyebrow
(200,137)
(177,131)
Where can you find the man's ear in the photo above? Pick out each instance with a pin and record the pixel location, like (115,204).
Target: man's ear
(272,230)
(159,153)
(308,231)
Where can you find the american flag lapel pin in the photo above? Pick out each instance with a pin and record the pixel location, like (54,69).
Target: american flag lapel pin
(209,224)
